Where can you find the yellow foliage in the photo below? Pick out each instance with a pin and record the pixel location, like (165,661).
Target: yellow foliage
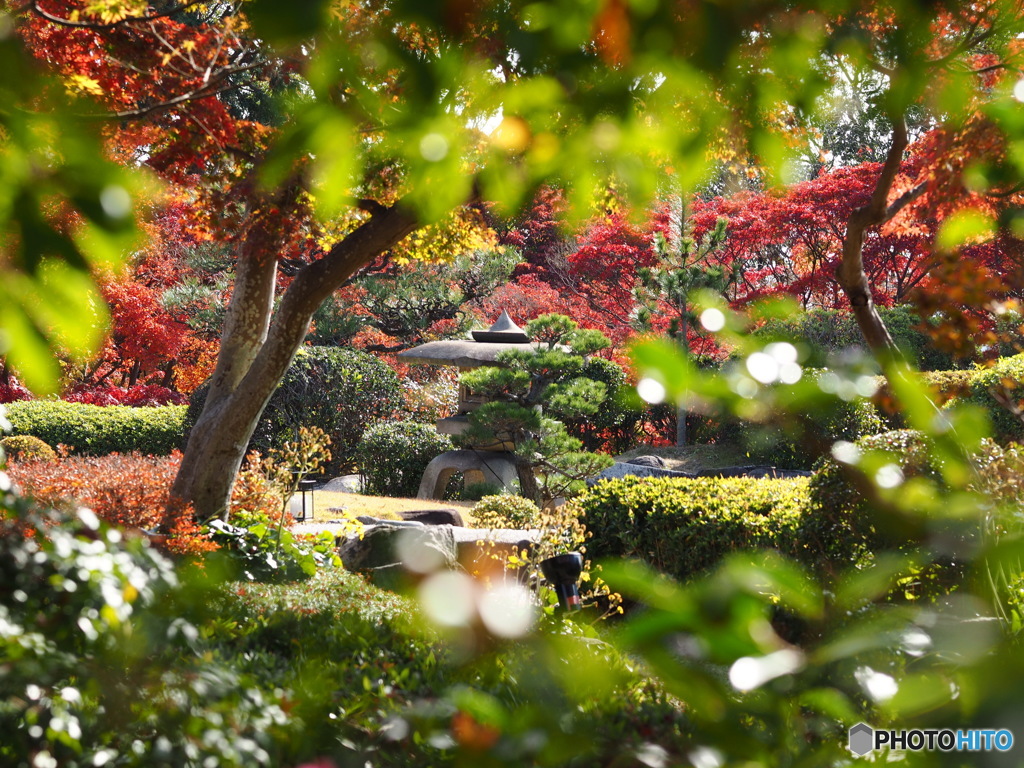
(462,231)
(83,84)
(111,11)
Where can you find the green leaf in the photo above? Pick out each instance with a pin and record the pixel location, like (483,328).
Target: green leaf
(768,573)
(965,228)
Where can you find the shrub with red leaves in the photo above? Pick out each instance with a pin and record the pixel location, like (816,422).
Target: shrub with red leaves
(13,391)
(95,395)
(144,395)
(128,490)
(140,395)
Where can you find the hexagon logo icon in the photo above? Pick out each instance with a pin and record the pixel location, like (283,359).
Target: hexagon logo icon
(861,739)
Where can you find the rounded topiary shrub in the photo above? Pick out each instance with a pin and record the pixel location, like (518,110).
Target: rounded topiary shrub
(338,389)
(393,455)
(506,510)
(27,448)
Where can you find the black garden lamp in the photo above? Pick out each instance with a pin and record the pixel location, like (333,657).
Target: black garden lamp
(305,487)
(562,572)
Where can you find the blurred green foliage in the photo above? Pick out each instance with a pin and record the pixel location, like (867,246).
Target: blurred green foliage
(825,334)
(107,656)
(589,92)
(64,211)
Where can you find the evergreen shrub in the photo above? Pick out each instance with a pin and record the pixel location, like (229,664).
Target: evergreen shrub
(684,527)
(506,510)
(96,430)
(843,525)
(803,445)
(26,448)
(840,527)
(393,455)
(337,389)
(1005,377)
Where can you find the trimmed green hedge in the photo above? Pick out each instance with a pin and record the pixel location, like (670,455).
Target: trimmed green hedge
(684,526)
(96,429)
(842,528)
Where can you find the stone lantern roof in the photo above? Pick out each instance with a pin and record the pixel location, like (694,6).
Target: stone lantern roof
(482,349)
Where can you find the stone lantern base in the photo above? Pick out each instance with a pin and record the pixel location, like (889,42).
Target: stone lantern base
(498,468)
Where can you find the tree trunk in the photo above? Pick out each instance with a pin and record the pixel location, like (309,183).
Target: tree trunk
(850,274)
(528,486)
(257,347)
(681,409)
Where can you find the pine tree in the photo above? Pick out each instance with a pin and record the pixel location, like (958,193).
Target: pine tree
(528,395)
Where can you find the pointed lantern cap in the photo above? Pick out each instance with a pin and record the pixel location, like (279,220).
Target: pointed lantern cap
(504,331)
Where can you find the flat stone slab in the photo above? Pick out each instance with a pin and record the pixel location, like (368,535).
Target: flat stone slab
(462,534)
(448,516)
(624,469)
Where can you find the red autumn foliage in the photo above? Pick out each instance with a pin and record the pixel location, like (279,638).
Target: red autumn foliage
(524,299)
(131,491)
(127,490)
(13,391)
(141,395)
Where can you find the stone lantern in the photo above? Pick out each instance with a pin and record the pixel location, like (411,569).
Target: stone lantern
(492,463)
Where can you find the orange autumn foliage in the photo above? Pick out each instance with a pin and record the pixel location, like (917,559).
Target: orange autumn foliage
(127,490)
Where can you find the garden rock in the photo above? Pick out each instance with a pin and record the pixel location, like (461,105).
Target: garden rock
(368,520)
(648,461)
(434,516)
(628,469)
(390,551)
(344,484)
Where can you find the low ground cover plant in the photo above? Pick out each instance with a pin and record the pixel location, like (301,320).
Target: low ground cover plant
(126,490)
(330,671)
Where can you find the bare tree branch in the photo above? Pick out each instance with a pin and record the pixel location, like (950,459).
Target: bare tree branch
(66,22)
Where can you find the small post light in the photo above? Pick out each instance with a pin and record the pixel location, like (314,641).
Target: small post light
(562,572)
(298,503)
